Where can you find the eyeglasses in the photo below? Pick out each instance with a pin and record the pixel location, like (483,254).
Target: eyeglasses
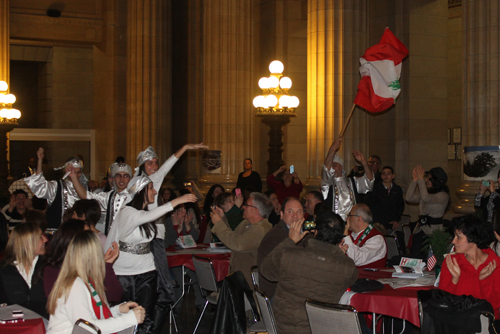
(253,206)
(352,215)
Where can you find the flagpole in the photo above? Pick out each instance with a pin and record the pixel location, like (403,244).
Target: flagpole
(347,122)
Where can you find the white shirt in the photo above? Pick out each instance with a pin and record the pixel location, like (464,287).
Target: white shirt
(78,305)
(22,271)
(372,250)
(157,179)
(126,228)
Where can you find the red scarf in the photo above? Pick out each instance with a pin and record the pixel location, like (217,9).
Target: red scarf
(97,304)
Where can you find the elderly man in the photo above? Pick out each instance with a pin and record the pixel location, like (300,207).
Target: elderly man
(339,191)
(291,212)
(245,239)
(60,195)
(110,201)
(364,244)
(319,271)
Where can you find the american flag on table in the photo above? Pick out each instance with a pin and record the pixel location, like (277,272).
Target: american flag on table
(431,260)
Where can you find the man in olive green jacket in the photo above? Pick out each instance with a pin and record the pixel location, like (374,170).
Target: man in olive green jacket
(320,271)
(245,239)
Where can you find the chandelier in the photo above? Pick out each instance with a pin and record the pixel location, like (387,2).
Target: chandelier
(275,98)
(8,115)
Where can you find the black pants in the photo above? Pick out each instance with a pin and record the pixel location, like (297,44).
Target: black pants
(141,289)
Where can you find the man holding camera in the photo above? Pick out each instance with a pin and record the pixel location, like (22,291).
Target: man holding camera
(291,211)
(340,191)
(319,271)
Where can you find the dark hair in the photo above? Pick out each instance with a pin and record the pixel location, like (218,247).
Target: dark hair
(318,195)
(120,159)
(56,248)
(289,199)
(108,186)
(90,208)
(269,192)
(321,208)
(437,186)
(36,217)
(173,195)
(20,191)
(388,167)
(209,198)
(248,159)
(148,229)
(330,227)
(75,157)
(376,157)
(475,229)
(222,198)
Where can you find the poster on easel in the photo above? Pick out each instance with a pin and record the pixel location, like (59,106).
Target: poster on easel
(212,162)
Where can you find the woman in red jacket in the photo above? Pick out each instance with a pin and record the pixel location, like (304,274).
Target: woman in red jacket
(473,269)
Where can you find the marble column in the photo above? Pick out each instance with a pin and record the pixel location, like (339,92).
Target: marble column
(148,83)
(337,37)
(481,84)
(227,85)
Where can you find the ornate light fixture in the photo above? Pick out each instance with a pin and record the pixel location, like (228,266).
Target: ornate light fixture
(275,98)
(8,115)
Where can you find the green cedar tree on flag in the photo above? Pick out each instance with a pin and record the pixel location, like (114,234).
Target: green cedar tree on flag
(380,71)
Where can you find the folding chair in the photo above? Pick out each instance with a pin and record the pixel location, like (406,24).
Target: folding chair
(325,318)
(266,312)
(207,281)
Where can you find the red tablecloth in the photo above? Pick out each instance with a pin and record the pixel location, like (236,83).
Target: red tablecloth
(220,261)
(32,326)
(399,303)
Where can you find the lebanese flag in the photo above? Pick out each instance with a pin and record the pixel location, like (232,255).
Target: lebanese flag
(380,71)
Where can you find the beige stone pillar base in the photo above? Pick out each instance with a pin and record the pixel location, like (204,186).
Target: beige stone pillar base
(466,193)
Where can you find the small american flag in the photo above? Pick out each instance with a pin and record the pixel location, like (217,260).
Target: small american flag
(431,260)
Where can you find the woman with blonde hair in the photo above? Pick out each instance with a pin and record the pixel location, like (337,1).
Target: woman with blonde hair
(79,292)
(21,279)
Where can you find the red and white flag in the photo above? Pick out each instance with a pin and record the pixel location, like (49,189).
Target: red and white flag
(380,71)
(431,260)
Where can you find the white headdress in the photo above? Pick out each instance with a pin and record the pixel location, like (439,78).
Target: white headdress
(120,167)
(144,156)
(140,183)
(75,162)
(338,160)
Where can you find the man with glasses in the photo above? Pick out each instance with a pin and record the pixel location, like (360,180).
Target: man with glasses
(113,200)
(363,243)
(245,239)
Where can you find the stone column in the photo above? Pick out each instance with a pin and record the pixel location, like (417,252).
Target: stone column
(337,37)
(480,104)
(227,85)
(148,83)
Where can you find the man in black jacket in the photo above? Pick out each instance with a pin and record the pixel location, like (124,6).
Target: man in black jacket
(386,201)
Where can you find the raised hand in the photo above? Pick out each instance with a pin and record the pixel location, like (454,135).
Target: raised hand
(335,145)
(420,172)
(488,270)
(295,232)
(454,268)
(112,253)
(358,156)
(40,153)
(196,146)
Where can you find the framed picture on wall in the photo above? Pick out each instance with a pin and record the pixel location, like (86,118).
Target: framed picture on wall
(457,136)
(451,152)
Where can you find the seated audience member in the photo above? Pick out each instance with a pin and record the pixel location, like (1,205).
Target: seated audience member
(312,198)
(21,279)
(245,240)
(79,292)
(167,194)
(274,217)
(339,191)
(56,251)
(249,178)
(193,212)
(290,187)
(365,245)
(319,271)
(473,269)
(231,208)
(89,210)
(14,211)
(495,245)
(292,212)
(386,201)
